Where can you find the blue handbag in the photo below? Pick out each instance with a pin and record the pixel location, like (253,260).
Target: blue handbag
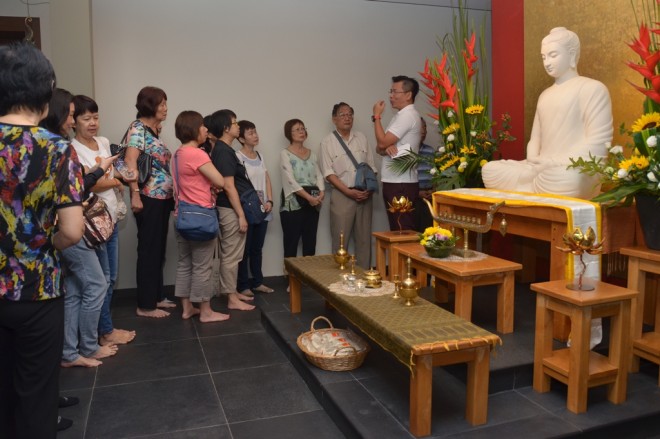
(365,177)
(194,222)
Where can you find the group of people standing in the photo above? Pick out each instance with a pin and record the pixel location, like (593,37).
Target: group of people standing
(56,290)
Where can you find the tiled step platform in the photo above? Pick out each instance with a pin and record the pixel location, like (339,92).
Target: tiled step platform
(372,401)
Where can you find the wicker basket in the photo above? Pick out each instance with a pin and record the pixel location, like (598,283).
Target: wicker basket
(345,358)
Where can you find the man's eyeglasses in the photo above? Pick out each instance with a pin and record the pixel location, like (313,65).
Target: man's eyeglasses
(392,91)
(345,115)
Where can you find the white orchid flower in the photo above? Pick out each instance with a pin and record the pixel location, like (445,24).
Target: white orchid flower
(622,173)
(609,170)
(473,133)
(463,165)
(450,138)
(433,171)
(450,113)
(651,176)
(442,150)
(618,149)
(652,141)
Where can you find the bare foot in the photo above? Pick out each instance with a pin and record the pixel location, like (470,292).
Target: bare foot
(188,314)
(234,302)
(81,362)
(165,303)
(213,317)
(155,313)
(105,351)
(247,292)
(117,336)
(244,297)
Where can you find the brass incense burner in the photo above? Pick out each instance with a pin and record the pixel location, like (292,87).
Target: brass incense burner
(342,257)
(372,278)
(409,288)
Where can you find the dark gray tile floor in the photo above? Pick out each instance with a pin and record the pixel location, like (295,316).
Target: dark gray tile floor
(185,379)
(246,378)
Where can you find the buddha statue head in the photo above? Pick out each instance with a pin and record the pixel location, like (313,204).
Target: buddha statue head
(560,52)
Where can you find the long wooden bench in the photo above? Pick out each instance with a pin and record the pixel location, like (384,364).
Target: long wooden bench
(421,337)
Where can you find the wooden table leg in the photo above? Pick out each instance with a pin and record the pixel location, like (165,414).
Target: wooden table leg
(637,282)
(619,354)
(578,376)
(294,294)
(394,264)
(476,407)
(421,386)
(381,255)
(542,343)
(562,325)
(463,298)
(505,301)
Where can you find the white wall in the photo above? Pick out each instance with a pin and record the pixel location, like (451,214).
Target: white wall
(269,61)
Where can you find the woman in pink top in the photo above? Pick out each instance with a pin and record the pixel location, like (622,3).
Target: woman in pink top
(196,181)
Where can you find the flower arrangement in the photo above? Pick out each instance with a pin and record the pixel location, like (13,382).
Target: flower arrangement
(437,241)
(459,98)
(638,172)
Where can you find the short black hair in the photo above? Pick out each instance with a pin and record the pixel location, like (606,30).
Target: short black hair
(84,104)
(187,125)
(245,125)
(409,84)
(27,78)
(336,107)
(59,108)
(220,121)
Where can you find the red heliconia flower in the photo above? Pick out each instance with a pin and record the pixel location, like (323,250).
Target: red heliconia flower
(642,46)
(470,57)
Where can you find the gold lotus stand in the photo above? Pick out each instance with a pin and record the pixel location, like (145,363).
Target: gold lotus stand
(468,224)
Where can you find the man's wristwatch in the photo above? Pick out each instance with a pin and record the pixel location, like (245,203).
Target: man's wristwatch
(375,118)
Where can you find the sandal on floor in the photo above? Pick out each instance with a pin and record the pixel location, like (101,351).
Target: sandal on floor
(263,289)
(67,401)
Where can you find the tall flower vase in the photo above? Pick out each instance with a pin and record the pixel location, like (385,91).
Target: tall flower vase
(648,209)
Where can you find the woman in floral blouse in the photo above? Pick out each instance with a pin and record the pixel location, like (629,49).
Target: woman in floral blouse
(299,167)
(41,178)
(153,202)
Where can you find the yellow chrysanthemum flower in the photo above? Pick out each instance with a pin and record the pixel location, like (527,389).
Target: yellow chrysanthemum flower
(451,129)
(475,109)
(483,162)
(648,120)
(463,159)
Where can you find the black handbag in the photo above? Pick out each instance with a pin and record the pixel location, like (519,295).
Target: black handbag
(144,160)
(314,191)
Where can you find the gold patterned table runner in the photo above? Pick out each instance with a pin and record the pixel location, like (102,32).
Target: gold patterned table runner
(404,331)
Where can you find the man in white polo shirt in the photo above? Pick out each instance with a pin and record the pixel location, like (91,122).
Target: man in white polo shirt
(403,133)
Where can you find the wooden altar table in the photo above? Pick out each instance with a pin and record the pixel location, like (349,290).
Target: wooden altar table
(421,337)
(546,223)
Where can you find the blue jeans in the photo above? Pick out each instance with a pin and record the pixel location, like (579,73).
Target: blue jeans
(109,263)
(252,257)
(85,286)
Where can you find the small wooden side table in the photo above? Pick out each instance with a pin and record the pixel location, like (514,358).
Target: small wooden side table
(641,261)
(465,275)
(384,243)
(577,366)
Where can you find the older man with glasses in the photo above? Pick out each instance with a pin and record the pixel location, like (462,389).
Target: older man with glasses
(402,134)
(350,208)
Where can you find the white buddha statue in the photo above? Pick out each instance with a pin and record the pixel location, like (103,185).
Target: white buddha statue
(573,118)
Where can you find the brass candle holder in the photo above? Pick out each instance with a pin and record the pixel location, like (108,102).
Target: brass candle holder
(467,223)
(400,205)
(342,256)
(397,284)
(578,244)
